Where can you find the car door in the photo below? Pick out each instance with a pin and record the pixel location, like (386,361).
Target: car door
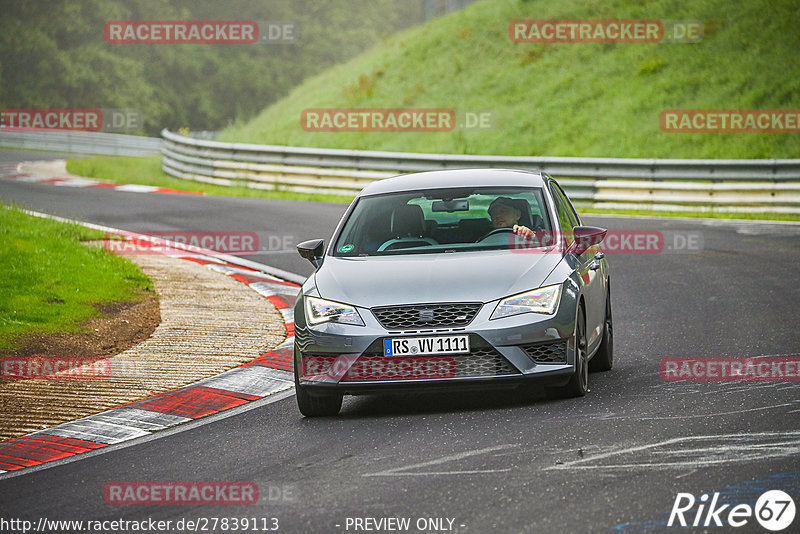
(589,269)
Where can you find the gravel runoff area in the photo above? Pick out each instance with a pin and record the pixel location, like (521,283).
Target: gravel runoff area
(209,323)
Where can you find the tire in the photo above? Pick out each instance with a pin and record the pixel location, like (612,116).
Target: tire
(603,360)
(578,383)
(317,406)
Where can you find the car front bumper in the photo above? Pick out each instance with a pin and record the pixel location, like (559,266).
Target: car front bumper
(506,352)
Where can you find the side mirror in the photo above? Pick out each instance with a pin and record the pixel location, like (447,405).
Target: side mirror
(587,236)
(312,250)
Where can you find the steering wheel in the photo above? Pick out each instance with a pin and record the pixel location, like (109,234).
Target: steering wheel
(495,231)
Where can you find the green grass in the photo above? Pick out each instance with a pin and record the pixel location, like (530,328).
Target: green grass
(50,280)
(562,99)
(147,171)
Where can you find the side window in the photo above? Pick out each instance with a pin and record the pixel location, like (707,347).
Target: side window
(564,220)
(567,204)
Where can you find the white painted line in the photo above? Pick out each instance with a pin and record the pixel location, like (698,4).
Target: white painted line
(274,271)
(279,375)
(288,343)
(224,269)
(268,289)
(436,473)
(720,449)
(32,178)
(136,188)
(401,471)
(124,423)
(716,414)
(251,380)
(263,288)
(142,419)
(68,432)
(76,182)
(106,432)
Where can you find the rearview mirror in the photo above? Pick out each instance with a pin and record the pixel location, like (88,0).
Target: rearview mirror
(587,236)
(312,250)
(449,206)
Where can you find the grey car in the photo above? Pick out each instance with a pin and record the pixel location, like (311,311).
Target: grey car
(453,280)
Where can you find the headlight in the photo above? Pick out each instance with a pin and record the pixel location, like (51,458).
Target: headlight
(320,311)
(542,300)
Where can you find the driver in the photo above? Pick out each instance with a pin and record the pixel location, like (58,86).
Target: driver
(505,215)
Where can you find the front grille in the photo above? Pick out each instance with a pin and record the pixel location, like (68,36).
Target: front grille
(547,352)
(409,317)
(480,362)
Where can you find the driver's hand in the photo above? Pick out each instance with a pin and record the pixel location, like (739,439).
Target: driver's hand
(523,231)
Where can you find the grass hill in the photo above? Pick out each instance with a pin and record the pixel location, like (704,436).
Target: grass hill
(563,99)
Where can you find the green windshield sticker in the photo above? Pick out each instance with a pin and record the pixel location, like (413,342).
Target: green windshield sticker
(346,248)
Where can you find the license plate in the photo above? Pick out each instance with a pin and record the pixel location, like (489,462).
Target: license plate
(418,346)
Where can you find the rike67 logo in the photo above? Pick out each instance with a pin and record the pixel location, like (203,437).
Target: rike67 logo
(774,510)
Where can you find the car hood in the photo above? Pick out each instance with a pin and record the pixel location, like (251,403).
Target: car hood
(469,276)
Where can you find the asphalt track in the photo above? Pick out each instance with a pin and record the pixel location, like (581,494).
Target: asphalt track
(492,462)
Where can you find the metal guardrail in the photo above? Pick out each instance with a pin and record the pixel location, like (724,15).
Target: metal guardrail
(771,185)
(82,142)
(653,169)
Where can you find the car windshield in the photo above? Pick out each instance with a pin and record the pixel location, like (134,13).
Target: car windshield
(441,220)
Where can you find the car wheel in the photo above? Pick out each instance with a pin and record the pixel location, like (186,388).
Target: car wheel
(315,405)
(604,358)
(578,384)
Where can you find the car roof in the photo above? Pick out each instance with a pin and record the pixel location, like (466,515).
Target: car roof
(421,181)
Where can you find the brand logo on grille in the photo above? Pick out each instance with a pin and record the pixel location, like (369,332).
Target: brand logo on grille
(426,316)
